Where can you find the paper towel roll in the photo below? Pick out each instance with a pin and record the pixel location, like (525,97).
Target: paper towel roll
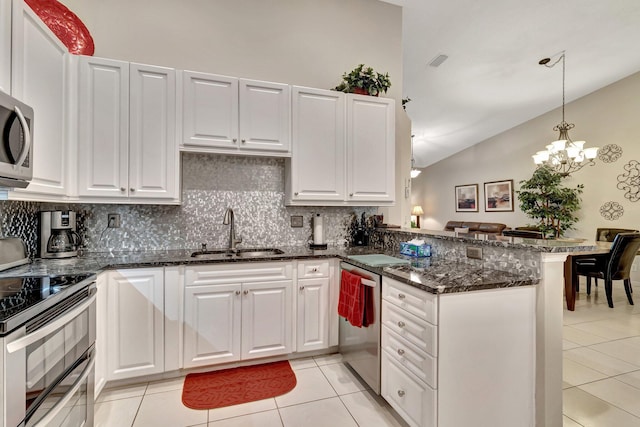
(318,230)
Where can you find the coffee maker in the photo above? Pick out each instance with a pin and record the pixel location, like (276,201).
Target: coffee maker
(57,234)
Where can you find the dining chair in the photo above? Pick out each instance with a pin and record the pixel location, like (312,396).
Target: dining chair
(606,235)
(615,265)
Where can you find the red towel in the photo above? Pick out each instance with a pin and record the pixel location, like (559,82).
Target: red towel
(369,304)
(351,301)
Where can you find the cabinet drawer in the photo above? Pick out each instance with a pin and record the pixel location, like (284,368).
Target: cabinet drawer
(417,331)
(415,301)
(422,365)
(411,398)
(313,268)
(238,273)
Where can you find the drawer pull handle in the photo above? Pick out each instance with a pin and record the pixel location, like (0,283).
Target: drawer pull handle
(237,292)
(401,324)
(400,351)
(402,296)
(314,269)
(401,393)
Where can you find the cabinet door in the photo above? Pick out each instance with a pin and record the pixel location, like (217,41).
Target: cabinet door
(313,314)
(370,149)
(210,110)
(5,46)
(267,309)
(264,116)
(39,65)
(136,323)
(318,135)
(212,324)
(153,151)
(103,127)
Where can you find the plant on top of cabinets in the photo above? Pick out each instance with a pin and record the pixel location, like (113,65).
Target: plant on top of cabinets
(364,81)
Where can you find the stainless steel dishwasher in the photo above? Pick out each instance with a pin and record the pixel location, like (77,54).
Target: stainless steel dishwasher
(360,347)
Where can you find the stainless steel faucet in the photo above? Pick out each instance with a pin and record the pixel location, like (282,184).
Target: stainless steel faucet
(229,220)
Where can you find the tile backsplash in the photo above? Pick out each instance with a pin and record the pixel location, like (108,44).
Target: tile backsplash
(252,186)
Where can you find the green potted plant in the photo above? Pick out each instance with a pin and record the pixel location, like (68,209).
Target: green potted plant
(364,81)
(543,198)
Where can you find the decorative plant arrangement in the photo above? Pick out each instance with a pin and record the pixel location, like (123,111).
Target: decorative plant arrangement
(543,198)
(364,81)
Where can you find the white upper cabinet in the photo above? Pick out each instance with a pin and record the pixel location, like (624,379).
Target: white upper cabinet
(39,63)
(229,115)
(341,155)
(370,149)
(317,165)
(5,46)
(126,132)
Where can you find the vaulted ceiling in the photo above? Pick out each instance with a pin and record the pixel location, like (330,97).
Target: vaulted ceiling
(491,80)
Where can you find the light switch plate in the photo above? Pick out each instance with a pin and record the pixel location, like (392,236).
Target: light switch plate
(296,221)
(474,252)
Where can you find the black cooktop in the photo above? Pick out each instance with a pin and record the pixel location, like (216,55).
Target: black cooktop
(22,298)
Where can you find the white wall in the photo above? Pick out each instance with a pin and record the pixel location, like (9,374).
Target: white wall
(607,116)
(301,42)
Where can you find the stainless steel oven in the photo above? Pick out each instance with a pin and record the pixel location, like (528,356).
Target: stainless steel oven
(360,347)
(48,360)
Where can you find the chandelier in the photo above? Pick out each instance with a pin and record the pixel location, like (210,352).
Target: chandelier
(564,155)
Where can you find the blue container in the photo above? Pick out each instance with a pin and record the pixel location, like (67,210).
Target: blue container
(415,250)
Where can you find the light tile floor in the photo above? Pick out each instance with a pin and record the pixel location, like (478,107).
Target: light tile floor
(601,363)
(601,381)
(326,394)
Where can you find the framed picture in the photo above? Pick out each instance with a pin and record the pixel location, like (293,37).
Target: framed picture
(467,198)
(498,196)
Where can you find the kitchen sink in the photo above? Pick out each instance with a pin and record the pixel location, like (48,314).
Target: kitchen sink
(257,252)
(240,253)
(213,254)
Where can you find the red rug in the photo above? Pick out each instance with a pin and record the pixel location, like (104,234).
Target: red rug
(228,387)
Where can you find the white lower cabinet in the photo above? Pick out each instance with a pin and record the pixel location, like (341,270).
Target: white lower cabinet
(237,311)
(135,319)
(101,334)
(459,359)
(313,305)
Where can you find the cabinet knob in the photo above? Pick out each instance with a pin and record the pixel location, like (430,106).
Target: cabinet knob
(244,141)
(133,190)
(234,140)
(314,269)
(402,296)
(122,189)
(237,292)
(246,292)
(400,323)
(302,288)
(401,393)
(295,194)
(203,246)
(400,351)
(350,194)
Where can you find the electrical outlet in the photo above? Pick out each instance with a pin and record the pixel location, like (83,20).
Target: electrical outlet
(474,252)
(113,221)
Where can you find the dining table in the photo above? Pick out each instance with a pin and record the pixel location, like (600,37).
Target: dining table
(570,270)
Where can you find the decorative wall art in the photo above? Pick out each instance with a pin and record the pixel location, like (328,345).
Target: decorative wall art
(467,198)
(610,153)
(498,196)
(629,181)
(611,211)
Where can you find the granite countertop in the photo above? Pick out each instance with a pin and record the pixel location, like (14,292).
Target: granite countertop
(429,274)
(537,245)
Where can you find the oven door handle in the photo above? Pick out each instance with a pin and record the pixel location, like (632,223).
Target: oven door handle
(59,322)
(62,403)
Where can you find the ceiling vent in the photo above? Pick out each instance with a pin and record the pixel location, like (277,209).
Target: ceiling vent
(438,60)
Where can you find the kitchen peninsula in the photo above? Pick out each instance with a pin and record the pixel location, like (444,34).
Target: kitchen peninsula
(507,265)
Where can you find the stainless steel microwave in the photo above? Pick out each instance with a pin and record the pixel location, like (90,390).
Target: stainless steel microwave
(16,145)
